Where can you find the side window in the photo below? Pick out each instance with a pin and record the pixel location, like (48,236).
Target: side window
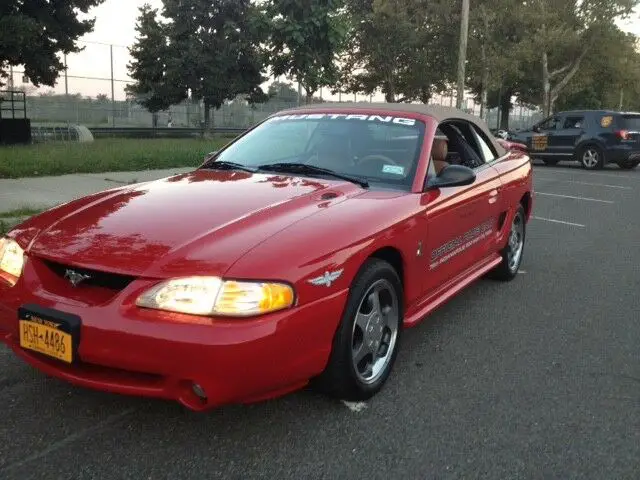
(551,123)
(488,154)
(573,122)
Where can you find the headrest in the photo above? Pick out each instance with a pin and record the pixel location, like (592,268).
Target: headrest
(440,149)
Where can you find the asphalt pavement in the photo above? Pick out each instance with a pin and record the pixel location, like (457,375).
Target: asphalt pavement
(537,378)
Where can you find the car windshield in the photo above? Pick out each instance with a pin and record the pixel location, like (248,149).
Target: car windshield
(631,122)
(380,149)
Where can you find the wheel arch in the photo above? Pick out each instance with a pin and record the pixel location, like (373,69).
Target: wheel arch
(394,257)
(527,203)
(588,142)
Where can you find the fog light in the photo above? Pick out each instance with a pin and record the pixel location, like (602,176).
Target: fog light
(199,391)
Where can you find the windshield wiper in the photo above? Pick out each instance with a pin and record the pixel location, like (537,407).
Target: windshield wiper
(221,165)
(310,169)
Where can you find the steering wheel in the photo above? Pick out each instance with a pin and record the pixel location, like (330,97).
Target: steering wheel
(378,157)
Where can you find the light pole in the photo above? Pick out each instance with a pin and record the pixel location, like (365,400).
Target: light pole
(462,53)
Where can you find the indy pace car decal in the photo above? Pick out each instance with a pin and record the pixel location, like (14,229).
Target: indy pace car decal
(459,244)
(347,116)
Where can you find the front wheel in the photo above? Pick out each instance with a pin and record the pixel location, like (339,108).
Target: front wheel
(591,157)
(512,253)
(366,343)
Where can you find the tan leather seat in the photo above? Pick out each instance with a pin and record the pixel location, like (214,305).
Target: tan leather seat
(439,152)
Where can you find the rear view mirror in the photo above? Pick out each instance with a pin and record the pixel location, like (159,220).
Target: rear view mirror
(452,176)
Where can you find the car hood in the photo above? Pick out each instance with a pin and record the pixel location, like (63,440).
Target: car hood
(199,222)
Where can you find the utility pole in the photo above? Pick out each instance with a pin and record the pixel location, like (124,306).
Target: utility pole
(462,53)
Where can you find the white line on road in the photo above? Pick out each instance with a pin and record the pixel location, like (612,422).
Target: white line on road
(586,172)
(559,221)
(586,199)
(356,407)
(584,183)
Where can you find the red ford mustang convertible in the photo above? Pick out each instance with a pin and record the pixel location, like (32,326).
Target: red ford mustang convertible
(296,254)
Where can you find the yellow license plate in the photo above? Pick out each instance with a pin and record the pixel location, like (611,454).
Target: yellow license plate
(46,339)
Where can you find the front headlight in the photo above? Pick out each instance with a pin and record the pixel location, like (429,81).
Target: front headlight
(212,296)
(11,260)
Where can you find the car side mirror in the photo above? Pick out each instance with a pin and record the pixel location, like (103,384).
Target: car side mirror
(536,129)
(452,176)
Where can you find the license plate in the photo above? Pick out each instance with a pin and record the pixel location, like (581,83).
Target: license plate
(49,332)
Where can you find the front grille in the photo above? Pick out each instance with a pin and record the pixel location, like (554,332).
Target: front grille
(111,281)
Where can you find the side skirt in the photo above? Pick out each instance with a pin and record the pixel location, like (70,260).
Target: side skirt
(451,289)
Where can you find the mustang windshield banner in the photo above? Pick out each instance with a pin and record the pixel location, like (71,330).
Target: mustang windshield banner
(348,116)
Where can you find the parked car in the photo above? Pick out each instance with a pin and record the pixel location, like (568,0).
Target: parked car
(509,145)
(592,137)
(297,253)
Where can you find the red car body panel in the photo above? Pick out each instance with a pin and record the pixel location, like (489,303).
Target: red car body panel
(275,227)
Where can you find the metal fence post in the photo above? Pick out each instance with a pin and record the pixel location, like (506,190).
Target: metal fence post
(113,91)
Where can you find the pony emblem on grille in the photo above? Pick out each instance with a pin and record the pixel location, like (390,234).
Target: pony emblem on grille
(75,278)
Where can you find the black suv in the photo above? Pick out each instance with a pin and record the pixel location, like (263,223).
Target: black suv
(592,137)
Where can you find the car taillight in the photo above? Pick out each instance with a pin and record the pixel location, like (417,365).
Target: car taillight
(622,134)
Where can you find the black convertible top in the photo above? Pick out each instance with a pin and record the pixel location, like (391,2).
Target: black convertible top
(437,112)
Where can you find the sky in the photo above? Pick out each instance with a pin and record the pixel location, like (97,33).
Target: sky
(115,25)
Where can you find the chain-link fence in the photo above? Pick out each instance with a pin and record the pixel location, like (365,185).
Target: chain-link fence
(91,92)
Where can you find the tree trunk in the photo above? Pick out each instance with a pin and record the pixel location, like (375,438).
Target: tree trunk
(546,86)
(389,90)
(484,94)
(505,109)
(425,95)
(208,120)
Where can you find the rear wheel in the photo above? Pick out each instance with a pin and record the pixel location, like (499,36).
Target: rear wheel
(366,343)
(591,157)
(512,253)
(628,164)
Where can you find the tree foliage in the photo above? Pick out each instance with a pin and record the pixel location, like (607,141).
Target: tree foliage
(546,53)
(33,33)
(402,47)
(306,38)
(208,48)
(154,87)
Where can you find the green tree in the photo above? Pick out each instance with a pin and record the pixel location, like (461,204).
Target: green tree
(156,87)
(210,48)
(561,35)
(616,54)
(495,33)
(406,48)
(306,39)
(33,33)
(215,45)
(282,91)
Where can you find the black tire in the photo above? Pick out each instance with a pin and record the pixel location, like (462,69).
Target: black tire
(550,162)
(592,150)
(628,164)
(340,378)
(505,271)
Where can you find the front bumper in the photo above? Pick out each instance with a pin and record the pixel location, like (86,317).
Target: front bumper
(127,350)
